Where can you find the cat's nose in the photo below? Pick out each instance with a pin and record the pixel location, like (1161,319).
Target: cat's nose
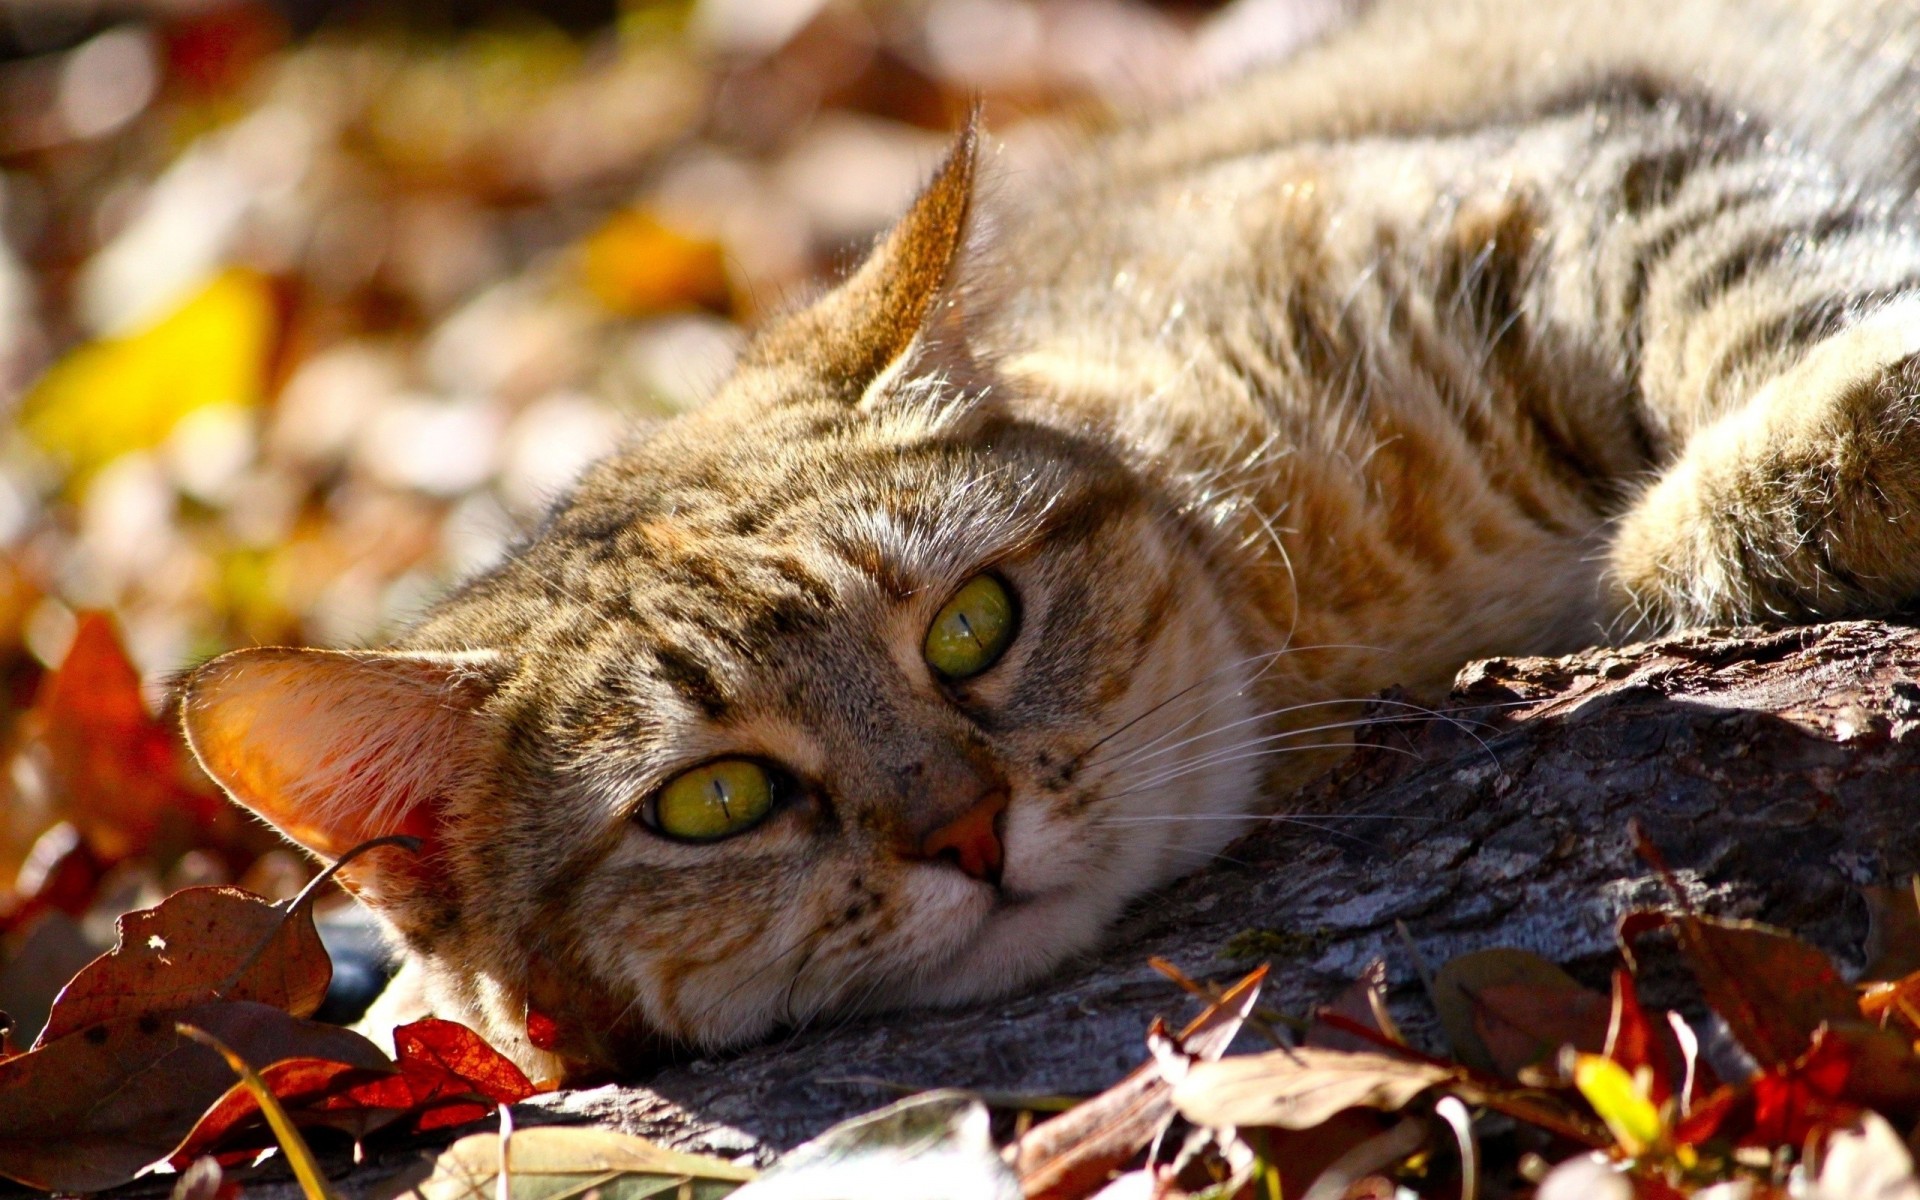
(971,841)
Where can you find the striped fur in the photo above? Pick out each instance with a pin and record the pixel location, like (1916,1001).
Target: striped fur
(1499,328)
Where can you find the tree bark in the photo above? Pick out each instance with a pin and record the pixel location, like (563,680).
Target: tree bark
(1776,770)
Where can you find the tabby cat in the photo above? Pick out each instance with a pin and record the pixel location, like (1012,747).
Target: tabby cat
(997,585)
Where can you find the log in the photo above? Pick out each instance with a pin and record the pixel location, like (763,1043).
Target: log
(1777,770)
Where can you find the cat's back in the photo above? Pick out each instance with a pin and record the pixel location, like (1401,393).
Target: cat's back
(1842,76)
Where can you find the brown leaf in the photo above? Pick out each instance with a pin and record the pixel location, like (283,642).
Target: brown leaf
(1772,989)
(1893,932)
(195,945)
(1067,1156)
(88,1111)
(1301,1088)
(1505,1009)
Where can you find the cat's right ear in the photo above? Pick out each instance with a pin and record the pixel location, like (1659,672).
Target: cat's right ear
(337,747)
(893,302)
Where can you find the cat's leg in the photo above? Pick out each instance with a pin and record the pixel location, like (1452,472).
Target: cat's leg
(1801,503)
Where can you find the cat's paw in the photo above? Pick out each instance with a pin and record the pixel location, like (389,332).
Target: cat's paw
(1801,505)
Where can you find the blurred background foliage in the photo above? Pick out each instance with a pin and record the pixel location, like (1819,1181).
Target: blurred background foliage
(308,307)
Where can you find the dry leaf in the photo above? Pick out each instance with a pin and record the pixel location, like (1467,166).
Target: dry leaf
(1301,1088)
(638,266)
(192,947)
(1506,1009)
(935,1146)
(127,393)
(89,1110)
(1865,1161)
(1072,1153)
(1772,989)
(135,798)
(553,1161)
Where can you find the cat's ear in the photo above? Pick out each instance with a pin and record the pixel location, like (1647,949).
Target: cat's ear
(853,334)
(336,747)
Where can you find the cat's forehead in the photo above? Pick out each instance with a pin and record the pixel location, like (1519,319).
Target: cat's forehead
(729,503)
(710,553)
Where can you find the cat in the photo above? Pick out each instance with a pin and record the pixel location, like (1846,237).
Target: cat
(1004,582)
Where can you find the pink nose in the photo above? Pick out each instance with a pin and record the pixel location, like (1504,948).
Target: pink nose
(970,841)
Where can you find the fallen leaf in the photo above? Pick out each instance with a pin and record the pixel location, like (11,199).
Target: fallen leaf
(1363,1003)
(557,1161)
(1506,1009)
(636,265)
(1300,1088)
(305,1087)
(89,1110)
(1622,1102)
(1864,1161)
(61,874)
(1772,989)
(448,1075)
(445,1074)
(136,799)
(1892,947)
(313,1182)
(1637,1044)
(199,944)
(128,392)
(1072,1153)
(936,1146)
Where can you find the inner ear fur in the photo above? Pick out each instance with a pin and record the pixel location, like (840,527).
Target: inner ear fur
(336,747)
(850,337)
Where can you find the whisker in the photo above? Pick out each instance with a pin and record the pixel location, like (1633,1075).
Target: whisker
(1183,766)
(1265,751)
(1139,756)
(1293,818)
(1266,659)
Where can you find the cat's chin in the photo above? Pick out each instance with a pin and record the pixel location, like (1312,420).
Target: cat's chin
(1021,938)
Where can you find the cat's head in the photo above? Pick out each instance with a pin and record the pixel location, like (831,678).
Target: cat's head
(868,683)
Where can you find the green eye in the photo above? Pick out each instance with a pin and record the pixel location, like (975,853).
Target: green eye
(714,801)
(973,630)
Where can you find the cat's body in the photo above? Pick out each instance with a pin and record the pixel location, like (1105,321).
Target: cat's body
(1498,330)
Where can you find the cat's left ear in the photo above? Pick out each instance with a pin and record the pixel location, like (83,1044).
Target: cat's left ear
(897,298)
(336,747)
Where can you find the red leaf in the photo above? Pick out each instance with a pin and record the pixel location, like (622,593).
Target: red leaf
(1843,1072)
(448,1075)
(136,797)
(1636,1044)
(303,1086)
(195,945)
(1772,989)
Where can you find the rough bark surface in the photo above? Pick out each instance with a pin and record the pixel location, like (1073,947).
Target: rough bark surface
(1777,770)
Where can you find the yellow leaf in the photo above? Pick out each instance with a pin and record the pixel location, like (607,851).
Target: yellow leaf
(635,265)
(126,393)
(1620,1101)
